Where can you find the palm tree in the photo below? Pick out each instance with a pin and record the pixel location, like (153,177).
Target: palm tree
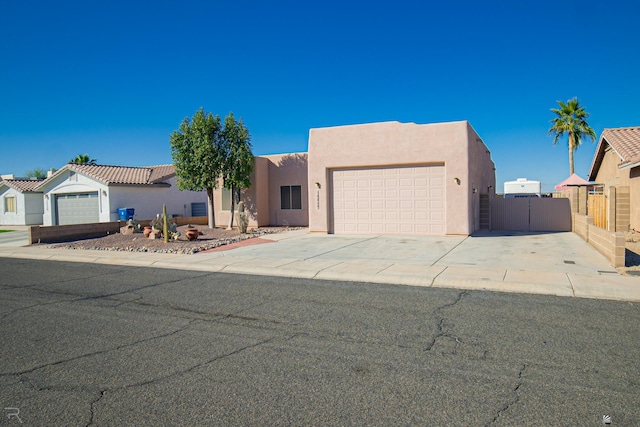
(83,159)
(571,120)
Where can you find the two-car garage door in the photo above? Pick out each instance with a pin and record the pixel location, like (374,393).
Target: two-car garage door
(77,208)
(398,200)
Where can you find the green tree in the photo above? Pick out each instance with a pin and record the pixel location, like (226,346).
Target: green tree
(83,159)
(37,173)
(238,160)
(571,120)
(197,155)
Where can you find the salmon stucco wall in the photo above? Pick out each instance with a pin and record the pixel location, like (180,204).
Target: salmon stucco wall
(288,170)
(262,199)
(482,176)
(392,144)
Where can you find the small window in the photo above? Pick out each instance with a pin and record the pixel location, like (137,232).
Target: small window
(199,209)
(226,199)
(10,204)
(291,197)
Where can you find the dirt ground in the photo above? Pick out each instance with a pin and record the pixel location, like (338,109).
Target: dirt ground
(209,238)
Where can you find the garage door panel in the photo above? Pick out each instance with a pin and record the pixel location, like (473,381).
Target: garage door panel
(436,216)
(391,204)
(394,200)
(406,228)
(391,228)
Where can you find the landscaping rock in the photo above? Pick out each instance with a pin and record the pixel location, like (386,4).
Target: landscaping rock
(209,238)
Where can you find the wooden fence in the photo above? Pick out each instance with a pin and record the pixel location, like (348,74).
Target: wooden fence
(597,208)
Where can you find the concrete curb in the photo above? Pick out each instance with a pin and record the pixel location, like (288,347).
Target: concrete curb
(430,262)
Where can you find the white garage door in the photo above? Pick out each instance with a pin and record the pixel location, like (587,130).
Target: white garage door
(77,208)
(389,200)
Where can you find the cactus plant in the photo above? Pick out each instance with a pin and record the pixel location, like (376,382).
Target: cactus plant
(165,224)
(243,220)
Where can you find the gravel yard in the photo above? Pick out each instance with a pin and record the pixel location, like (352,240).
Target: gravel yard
(209,238)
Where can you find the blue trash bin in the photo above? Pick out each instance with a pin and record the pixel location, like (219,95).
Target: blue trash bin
(126,214)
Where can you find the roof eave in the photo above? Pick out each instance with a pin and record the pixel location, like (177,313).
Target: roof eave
(628,165)
(151,184)
(597,159)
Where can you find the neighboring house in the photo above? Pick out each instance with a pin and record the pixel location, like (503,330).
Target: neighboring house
(21,203)
(84,193)
(398,178)
(616,163)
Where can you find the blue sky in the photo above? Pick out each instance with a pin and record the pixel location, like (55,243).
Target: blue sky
(114,79)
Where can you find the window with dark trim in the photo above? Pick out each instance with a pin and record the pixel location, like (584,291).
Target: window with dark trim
(291,197)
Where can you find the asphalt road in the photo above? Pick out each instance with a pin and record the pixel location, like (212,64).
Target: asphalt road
(104,345)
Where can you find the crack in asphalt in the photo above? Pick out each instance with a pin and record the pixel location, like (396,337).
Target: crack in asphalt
(441,325)
(92,412)
(103,351)
(81,297)
(516,397)
(172,375)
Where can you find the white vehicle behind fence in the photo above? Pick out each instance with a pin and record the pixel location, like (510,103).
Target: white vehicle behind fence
(522,187)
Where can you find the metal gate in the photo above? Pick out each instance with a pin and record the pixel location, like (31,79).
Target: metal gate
(530,214)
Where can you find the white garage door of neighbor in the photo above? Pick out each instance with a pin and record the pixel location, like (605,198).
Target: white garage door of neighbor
(77,208)
(389,200)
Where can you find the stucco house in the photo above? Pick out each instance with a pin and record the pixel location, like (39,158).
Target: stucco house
(389,177)
(616,163)
(21,202)
(398,178)
(84,193)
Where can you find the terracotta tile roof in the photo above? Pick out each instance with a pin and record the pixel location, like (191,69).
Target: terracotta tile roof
(130,175)
(23,185)
(624,141)
(162,172)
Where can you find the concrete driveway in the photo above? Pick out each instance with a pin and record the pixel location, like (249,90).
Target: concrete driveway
(18,236)
(541,263)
